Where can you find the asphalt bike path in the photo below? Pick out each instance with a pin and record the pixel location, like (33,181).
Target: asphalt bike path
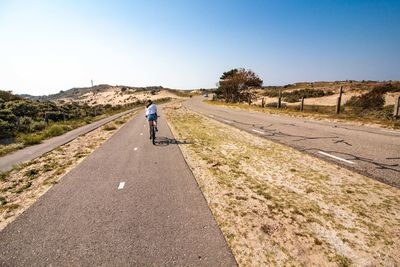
(32,152)
(374,152)
(130,203)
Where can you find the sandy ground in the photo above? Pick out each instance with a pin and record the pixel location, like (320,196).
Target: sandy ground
(279,207)
(21,187)
(330,100)
(115,96)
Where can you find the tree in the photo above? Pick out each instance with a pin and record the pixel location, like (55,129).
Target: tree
(234,85)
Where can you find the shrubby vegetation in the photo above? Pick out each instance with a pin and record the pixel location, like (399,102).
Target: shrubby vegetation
(373,100)
(296,95)
(23,116)
(30,121)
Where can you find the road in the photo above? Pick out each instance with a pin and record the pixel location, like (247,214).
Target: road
(374,152)
(129,203)
(32,152)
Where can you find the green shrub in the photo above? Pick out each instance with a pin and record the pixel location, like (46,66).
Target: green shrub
(54,130)
(32,139)
(7,129)
(373,100)
(38,126)
(25,124)
(387,88)
(295,95)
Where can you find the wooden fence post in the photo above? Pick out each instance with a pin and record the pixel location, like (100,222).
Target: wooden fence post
(279,99)
(262,102)
(396,111)
(302,104)
(339,100)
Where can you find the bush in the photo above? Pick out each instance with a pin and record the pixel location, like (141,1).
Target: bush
(295,96)
(54,130)
(387,88)
(38,126)
(306,93)
(31,139)
(7,129)
(373,100)
(25,124)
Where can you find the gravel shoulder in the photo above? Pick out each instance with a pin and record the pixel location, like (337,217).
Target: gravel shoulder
(278,206)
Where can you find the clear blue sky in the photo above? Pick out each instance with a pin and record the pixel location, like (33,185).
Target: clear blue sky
(47,46)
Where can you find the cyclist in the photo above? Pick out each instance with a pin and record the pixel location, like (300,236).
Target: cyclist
(151,113)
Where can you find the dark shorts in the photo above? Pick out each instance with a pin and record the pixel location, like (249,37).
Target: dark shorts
(152,117)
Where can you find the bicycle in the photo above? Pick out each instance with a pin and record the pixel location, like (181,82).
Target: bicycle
(152,126)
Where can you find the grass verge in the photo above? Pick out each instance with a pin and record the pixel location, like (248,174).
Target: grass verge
(279,207)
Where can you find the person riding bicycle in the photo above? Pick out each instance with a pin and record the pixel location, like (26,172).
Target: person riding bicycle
(151,113)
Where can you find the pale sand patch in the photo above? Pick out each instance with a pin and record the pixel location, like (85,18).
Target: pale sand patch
(390,98)
(24,185)
(117,96)
(279,207)
(329,100)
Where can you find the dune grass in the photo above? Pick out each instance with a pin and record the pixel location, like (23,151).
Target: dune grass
(279,207)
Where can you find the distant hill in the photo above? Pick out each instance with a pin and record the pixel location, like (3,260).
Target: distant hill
(75,93)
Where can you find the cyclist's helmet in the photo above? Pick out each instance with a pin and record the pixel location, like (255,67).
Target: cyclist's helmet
(148,102)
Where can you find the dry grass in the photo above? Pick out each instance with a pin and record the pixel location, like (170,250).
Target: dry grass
(279,207)
(23,185)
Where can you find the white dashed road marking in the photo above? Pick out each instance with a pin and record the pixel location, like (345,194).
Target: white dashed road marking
(334,157)
(135,148)
(141,133)
(121,185)
(257,131)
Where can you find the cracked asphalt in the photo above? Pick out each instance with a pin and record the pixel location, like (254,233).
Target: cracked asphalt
(374,152)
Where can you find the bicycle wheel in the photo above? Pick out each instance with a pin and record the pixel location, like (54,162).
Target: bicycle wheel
(153,134)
